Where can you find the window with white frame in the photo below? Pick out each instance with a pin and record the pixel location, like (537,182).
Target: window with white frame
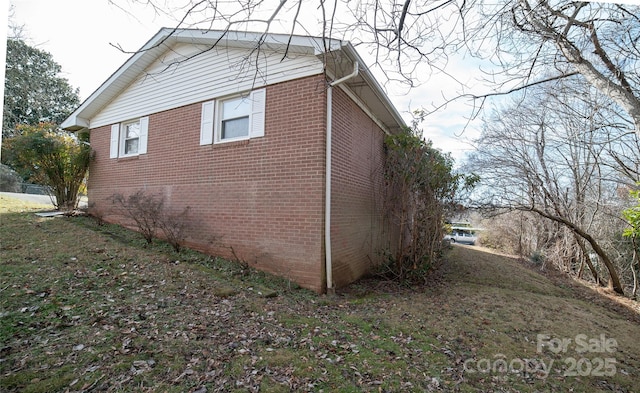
(129,138)
(234,118)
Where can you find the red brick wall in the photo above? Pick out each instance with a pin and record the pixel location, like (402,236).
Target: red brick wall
(358,230)
(263,197)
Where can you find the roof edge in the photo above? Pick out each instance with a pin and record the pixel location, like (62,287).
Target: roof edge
(373,82)
(71,122)
(166,37)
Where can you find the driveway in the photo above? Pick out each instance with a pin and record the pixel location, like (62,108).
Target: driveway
(40,199)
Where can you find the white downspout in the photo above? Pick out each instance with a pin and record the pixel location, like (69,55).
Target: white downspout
(327,201)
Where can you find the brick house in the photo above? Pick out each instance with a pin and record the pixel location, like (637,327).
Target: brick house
(239,133)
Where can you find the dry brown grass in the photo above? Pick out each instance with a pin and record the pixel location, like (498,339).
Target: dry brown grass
(85,307)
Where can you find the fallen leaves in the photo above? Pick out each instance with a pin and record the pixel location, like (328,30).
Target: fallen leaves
(121,318)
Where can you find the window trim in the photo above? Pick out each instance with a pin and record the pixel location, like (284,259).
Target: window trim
(220,112)
(123,138)
(118,138)
(211,122)
(219,108)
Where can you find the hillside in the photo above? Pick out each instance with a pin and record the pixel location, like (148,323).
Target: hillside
(86,307)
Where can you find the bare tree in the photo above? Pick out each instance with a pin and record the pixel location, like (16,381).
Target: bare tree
(547,155)
(530,43)
(527,42)
(597,40)
(15,31)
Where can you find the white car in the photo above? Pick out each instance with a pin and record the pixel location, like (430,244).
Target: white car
(462,237)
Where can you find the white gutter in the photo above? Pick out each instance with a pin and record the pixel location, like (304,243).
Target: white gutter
(346,78)
(327,201)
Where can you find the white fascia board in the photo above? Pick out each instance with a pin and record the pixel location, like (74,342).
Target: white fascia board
(74,123)
(242,39)
(375,86)
(114,84)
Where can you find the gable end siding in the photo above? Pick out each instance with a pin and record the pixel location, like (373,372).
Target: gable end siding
(212,74)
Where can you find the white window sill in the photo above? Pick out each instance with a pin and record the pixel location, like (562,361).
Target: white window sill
(228,140)
(129,156)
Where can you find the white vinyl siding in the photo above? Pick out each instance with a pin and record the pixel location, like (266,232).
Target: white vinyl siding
(215,73)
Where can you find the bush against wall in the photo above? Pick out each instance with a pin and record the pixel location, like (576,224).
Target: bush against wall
(151,217)
(421,187)
(143,209)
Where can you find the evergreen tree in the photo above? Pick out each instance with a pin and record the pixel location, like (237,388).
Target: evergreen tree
(34,91)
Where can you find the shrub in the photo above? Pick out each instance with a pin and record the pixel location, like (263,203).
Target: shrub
(420,187)
(537,258)
(148,213)
(47,155)
(174,226)
(143,209)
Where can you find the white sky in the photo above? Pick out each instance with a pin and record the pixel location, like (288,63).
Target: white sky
(78,34)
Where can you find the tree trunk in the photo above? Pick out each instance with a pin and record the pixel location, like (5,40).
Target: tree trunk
(616,88)
(634,265)
(614,279)
(585,258)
